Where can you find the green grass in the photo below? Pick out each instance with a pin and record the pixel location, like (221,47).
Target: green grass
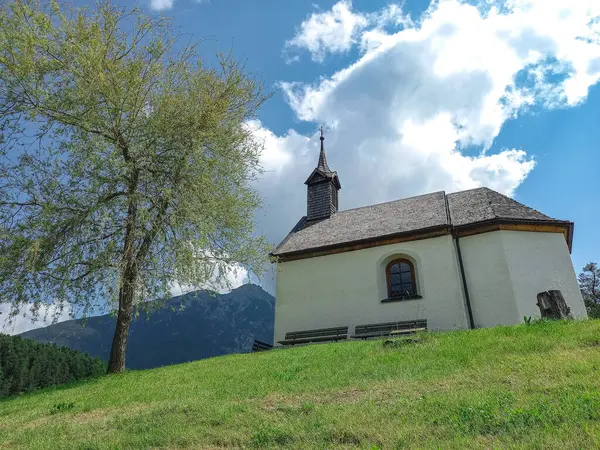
(534,386)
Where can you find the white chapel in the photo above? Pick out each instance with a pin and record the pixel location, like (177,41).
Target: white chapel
(442,261)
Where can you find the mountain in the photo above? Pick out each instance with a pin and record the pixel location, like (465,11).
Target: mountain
(209,324)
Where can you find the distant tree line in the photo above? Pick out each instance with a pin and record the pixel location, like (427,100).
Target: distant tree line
(26,365)
(589,283)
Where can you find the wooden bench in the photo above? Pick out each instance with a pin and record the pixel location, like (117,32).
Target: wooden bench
(260,346)
(389,329)
(321,335)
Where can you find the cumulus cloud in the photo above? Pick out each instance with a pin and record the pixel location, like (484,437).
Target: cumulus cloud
(160,5)
(336,31)
(31,317)
(332,31)
(420,107)
(220,276)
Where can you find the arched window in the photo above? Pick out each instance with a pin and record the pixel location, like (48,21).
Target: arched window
(400,275)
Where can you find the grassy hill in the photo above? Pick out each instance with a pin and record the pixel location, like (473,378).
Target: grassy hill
(534,386)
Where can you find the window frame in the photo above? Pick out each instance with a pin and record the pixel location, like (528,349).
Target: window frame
(388,278)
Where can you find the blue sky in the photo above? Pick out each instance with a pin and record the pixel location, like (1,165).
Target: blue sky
(418,97)
(560,134)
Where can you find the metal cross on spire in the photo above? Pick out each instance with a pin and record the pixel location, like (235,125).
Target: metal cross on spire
(322,165)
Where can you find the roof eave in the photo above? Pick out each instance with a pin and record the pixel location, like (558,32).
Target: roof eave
(299,225)
(298,254)
(325,248)
(500,221)
(329,176)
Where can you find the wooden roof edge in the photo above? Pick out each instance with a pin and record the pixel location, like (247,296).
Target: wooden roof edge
(564,226)
(359,244)
(536,225)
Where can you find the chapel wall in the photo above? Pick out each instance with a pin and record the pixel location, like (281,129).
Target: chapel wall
(347,288)
(539,262)
(505,270)
(488,280)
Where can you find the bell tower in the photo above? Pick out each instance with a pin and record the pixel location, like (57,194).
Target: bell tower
(323,185)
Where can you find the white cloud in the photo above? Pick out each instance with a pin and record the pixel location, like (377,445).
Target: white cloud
(220,276)
(28,320)
(330,31)
(160,5)
(336,31)
(420,108)
(275,157)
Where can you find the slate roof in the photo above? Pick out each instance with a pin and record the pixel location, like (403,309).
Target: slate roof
(408,216)
(483,204)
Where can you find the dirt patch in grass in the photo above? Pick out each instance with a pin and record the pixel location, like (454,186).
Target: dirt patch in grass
(593,342)
(93,416)
(277,401)
(87,417)
(353,395)
(100,414)
(37,422)
(383,392)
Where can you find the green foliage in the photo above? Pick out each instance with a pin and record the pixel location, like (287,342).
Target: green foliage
(541,321)
(593,309)
(506,387)
(26,365)
(589,283)
(61,407)
(268,435)
(126,162)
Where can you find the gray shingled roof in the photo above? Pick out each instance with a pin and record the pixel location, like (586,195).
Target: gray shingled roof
(407,216)
(482,204)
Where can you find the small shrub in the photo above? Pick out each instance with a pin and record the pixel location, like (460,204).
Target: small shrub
(345,437)
(270,435)
(593,309)
(393,343)
(62,407)
(307,407)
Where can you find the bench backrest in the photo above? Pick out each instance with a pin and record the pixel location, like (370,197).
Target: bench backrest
(258,346)
(336,331)
(390,326)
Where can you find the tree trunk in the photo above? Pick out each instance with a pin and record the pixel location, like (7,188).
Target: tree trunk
(116,361)
(553,306)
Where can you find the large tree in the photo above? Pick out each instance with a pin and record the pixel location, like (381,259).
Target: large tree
(589,283)
(126,165)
